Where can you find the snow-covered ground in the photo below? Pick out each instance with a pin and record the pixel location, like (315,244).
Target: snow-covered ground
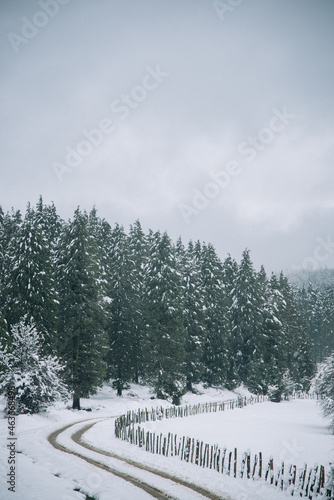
(293,431)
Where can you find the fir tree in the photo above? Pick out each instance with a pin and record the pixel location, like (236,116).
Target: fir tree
(327,327)
(193,312)
(49,223)
(300,359)
(275,343)
(247,320)
(216,320)
(229,277)
(30,284)
(138,249)
(324,385)
(82,337)
(9,229)
(315,321)
(164,343)
(35,378)
(122,312)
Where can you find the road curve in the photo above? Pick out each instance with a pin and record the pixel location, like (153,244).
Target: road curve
(156,492)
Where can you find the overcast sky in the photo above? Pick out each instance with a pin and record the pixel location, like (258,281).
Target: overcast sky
(211,120)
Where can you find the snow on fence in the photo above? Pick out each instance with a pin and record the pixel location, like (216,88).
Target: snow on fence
(305,482)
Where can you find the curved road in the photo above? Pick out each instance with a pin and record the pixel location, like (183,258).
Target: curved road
(157,483)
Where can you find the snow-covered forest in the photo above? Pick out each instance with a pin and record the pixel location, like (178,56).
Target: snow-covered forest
(94,303)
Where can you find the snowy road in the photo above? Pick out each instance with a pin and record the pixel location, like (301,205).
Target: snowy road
(155,484)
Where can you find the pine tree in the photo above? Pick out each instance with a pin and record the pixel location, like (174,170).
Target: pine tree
(138,249)
(324,385)
(275,344)
(9,229)
(193,312)
(229,277)
(36,378)
(30,284)
(315,305)
(230,273)
(328,322)
(247,320)
(216,321)
(164,343)
(300,359)
(122,312)
(49,223)
(315,321)
(82,337)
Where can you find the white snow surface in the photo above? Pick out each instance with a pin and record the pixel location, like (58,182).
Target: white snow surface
(293,431)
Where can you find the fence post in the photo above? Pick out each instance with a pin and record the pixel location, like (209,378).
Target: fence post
(321,479)
(211,456)
(197,452)
(260,464)
(282,476)
(147,440)
(192,450)
(243,464)
(229,463)
(217,459)
(182,449)
(223,460)
(308,482)
(168,444)
(248,465)
(254,466)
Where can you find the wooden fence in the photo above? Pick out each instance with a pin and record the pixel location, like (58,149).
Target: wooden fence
(144,415)
(305,482)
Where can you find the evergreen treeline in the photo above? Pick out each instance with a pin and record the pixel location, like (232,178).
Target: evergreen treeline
(138,307)
(316,306)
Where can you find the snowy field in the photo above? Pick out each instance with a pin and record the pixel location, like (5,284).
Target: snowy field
(293,431)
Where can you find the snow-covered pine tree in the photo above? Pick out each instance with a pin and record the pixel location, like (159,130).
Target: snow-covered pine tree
(122,310)
(328,321)
(324,385)
(9,228)
(315,321)
(274,341)
(229,277)
(316,305)
(30,284)
(216,318)
(35,376)
(281,342)
(138,249)
(247,320)
(49,222)
(193,312)
(230,273)
(82,340)
(164,343)
(300,360)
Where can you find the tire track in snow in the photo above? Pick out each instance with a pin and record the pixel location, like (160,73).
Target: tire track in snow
(155,492)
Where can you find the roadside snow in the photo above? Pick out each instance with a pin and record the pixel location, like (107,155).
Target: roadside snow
(45,473)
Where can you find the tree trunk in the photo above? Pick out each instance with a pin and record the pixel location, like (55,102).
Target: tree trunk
(76,397)
(76,402)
